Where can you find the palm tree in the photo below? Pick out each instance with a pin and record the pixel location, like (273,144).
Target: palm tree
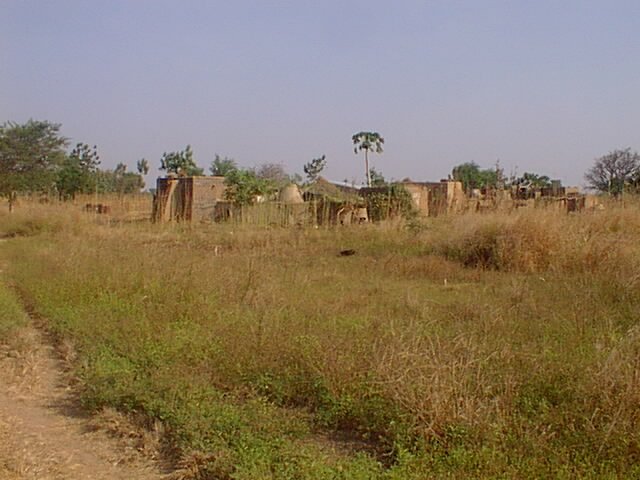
(367,141)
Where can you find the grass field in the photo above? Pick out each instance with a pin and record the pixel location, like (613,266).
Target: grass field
(487,346)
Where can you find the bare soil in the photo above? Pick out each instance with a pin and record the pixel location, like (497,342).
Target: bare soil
(45,435)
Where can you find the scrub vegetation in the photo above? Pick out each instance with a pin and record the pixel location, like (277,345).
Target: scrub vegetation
(478,346)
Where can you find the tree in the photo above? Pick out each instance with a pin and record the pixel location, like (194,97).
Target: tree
(118,181)
(222,166)
(527,184)
(611,172)
(78,171)
(635,182)
(367,141)
(313,168)
(244,186)
(392,201)
(472,176)
(126,182)
(533,180)
(29,156)
(120,169)
(180,163)
(377,179)
(130,182)
(142,166)
(274,173)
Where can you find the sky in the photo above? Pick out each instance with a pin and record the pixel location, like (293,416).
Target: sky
(544,86)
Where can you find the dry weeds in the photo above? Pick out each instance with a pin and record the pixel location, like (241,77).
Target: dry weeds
(493,345)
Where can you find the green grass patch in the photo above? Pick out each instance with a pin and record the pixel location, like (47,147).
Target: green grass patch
(12,315)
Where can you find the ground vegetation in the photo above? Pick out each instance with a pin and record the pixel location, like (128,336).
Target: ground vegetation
(478,346)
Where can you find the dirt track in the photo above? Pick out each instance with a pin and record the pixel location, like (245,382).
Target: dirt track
(44,435)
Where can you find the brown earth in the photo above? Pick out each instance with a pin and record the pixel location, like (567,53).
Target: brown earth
(45,435)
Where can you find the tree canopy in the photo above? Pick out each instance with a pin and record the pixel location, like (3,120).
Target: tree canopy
(614,172)
(29,157)
(118,181)
(180,163)
(244,186)
(222,166)
(77,173)
(533,180)
(377,178)
(273,173)
(313,168)
(472,176)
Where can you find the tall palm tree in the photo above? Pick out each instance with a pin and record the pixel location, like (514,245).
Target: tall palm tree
(367,141)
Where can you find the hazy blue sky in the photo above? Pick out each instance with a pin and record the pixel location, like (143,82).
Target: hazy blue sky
(544,86)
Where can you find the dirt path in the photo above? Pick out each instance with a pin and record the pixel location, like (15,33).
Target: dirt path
(44,435)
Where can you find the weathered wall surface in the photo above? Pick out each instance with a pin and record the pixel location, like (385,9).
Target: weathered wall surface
(204,192)
(187,198)
(437,198)
(420,195)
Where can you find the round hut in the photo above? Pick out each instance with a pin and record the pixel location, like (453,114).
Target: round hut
(290,195)
(293,206)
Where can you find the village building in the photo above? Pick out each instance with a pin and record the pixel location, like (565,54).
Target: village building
(325,203)
(187,198)
(430,199)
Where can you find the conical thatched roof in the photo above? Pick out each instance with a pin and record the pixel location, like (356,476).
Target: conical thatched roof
(290,195)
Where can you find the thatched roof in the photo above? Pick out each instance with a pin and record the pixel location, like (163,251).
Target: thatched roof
(325,189)
(290,195)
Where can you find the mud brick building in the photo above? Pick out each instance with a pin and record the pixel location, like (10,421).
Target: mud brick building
(187,198)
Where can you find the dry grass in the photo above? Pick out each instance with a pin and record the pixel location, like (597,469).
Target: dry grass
(543,241)
(492,345)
